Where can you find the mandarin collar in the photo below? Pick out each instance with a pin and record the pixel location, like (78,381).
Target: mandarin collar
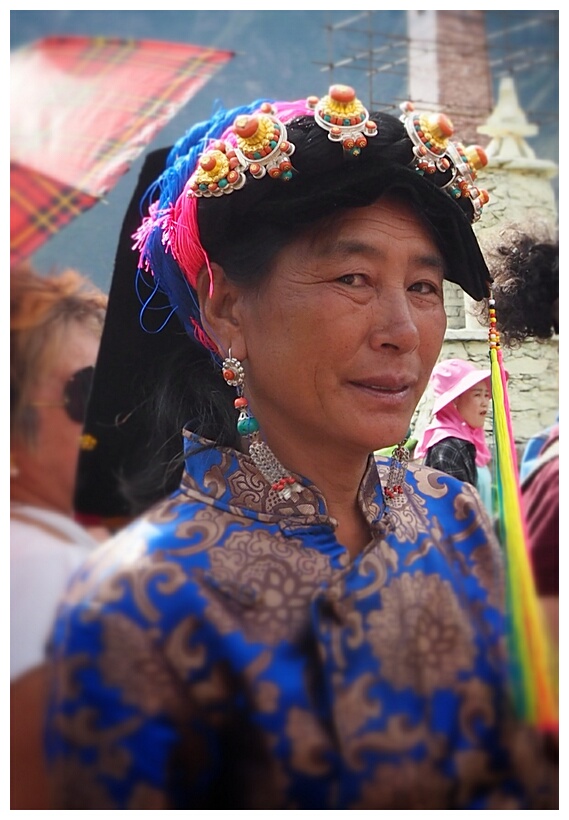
(229,479)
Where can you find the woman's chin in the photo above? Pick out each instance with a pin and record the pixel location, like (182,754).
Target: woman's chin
(386,439)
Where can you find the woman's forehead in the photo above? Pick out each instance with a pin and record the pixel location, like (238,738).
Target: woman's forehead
(481,387)
(388,217)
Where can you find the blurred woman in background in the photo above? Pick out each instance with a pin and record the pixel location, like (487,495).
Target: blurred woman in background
(55,328)
(455,441)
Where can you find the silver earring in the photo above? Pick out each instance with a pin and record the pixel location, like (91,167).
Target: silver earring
(233,373)
(285,485)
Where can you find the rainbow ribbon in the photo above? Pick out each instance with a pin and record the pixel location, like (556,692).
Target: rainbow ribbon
(532,659)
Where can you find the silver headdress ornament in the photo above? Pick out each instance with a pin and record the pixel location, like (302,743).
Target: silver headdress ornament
(434,151)
(262,144)
(344,117)
(257,144)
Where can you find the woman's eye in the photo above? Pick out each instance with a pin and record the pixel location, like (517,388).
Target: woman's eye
(426,287)
(352,279)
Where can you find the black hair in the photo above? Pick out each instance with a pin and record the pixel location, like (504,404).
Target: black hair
(183,389)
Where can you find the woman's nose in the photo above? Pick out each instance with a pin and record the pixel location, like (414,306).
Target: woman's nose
(393,323)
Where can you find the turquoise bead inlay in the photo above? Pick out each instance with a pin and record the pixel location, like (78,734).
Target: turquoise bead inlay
(247,425)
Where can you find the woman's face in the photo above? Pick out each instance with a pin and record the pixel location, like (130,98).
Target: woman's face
(48,469)
(473,404)
(342,337)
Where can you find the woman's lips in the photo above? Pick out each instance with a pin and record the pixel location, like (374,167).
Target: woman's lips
(395,390)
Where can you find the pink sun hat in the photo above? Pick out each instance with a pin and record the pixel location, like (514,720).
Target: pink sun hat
(453,377)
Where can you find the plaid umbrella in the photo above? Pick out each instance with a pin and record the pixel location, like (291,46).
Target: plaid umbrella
(82,110)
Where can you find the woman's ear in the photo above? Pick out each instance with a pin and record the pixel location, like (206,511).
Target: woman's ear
(219,310)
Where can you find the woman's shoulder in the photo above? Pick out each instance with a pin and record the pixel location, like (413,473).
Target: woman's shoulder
(433,494)
(436,485)
(46,535)
(443,502)
(168,532)
(455,443)
(155,565)
(441,520)
(422,477)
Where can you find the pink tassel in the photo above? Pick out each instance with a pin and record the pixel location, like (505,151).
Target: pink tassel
(202,336)
(185,241)
(155,217)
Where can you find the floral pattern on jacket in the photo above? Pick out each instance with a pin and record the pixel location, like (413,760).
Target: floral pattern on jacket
(223,651)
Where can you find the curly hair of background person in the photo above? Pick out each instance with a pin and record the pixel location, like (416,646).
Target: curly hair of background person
(525,268)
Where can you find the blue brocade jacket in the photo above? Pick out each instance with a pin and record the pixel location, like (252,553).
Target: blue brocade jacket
(223,651)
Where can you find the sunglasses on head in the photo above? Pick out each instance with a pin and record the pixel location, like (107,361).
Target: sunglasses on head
(75,395)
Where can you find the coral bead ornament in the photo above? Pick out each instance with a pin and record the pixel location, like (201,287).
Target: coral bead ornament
(342,94)
(434,151)
(218,172)
(476,157)
(262,145)
(344,117)
(232,371)
(430,133)
(246,423)
(394,489)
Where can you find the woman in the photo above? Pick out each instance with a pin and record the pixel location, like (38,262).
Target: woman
(55,329)
(454,441)
(274,634)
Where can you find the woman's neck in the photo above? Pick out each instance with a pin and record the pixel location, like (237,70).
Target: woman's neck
(23,494)
(338,475)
